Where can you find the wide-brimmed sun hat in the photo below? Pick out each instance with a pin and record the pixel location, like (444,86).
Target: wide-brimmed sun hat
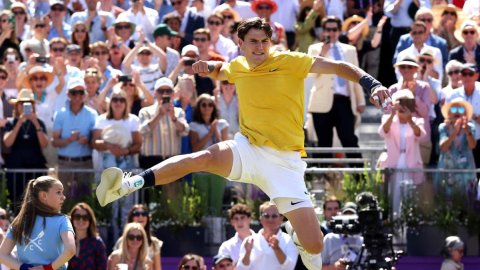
(271,3)
(458,101)
(466,25)
(25,95)
(39,70)
(353,19)
(407,60)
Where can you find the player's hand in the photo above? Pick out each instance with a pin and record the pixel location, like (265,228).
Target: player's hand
(201,68)
(381,97)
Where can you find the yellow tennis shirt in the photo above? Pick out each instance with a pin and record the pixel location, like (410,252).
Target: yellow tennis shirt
(271,99)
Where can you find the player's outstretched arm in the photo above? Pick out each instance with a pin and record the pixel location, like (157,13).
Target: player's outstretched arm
(213,69)
(379,93)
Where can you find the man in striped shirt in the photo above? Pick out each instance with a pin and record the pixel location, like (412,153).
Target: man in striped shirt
(162,126)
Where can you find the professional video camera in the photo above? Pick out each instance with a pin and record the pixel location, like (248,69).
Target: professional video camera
(377,249)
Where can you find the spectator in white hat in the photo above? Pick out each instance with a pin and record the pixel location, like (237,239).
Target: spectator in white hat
(162,126)
(72,130)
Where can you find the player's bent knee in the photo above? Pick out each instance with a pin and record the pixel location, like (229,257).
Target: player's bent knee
(313,247)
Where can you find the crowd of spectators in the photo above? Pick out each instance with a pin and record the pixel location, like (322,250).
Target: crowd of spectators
(88,84)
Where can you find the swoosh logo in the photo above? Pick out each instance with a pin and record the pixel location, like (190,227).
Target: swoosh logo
(294,203)
(273,69)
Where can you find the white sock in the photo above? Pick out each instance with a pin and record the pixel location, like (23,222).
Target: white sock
(133,183)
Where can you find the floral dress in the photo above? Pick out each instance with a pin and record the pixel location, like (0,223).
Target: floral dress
(458,156)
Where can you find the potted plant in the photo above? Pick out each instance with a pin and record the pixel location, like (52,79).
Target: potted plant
(430,220)
(177,218)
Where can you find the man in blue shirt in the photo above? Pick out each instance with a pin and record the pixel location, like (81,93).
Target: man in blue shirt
(97,21)
(58,27)
(72,128)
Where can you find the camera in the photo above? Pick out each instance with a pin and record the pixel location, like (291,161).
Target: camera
(165,99)
(27,108)
(124,78)
(377,250)
(41,59)
(189,62)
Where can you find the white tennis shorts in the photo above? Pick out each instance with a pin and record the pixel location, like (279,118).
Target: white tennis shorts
(280,174)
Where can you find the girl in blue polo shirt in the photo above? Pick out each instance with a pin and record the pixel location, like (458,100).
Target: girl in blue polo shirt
(44,237)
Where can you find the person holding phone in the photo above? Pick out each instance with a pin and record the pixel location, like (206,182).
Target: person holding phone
(162,126)
(402,133)
(144,52)
(25,135)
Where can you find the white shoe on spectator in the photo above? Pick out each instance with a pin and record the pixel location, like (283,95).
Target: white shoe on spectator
(311,261)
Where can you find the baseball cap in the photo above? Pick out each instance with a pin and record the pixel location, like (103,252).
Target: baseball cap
(164,81)
(75,82)
(56,2)
(163,29)
(470,66)
(190,48)
(73,48)
(349,207)
(220,257)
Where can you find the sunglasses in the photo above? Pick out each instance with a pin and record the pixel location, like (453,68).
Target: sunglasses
(128,84)
(471,32)
(76,92)
(3,77)
(417,33)
(468,73)
(145,53)
(328,29)
(4,20)
(264,7)
(205,105)
(176,3)
(268,216)
(453,13)
(228,17)
(425,60)
(460,110)
(81,217)
(118,99)
(57,9)
(406,67)
(217,23)
(164,91)
(137,237)
(450,73)
(81,30)
(40,25)
(19,12)
(58,49)
(426,20)
(138,214)
(200,39)
(123,26)
(3,217)
(35,78)
(98,53)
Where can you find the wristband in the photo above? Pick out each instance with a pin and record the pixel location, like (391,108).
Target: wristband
(148,177)
(25,266)
(48,267)
(369,83)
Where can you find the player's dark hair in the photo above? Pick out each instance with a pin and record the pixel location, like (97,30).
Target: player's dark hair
(255,23)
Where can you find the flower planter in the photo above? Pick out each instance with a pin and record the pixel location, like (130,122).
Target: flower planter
(178,241)
(428,240)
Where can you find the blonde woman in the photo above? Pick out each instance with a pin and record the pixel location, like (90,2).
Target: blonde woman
(185,98)
(132,252)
